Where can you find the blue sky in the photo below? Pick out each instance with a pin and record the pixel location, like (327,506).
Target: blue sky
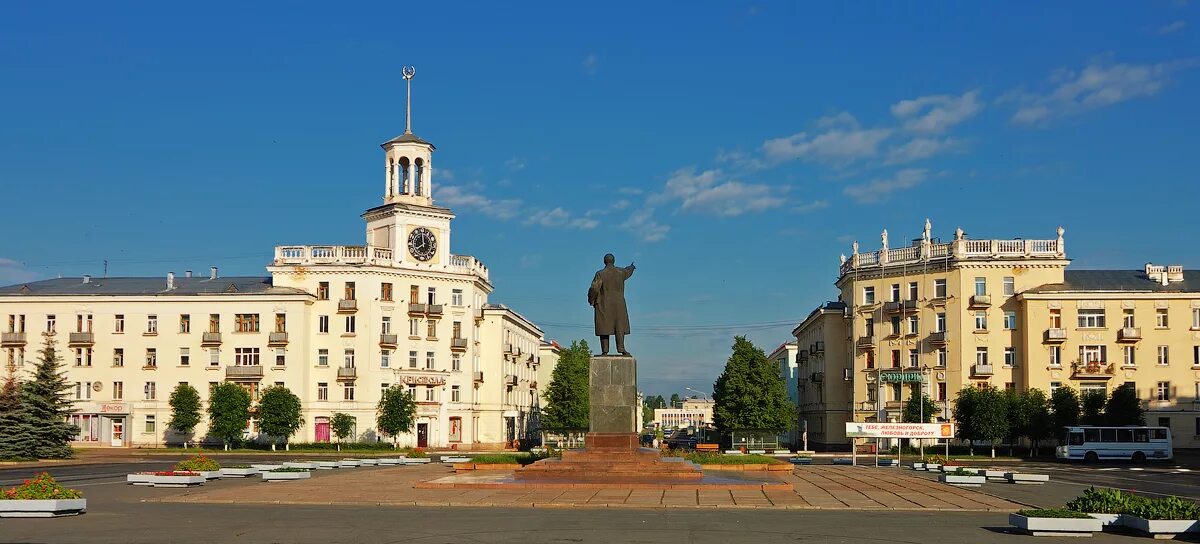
(731,149)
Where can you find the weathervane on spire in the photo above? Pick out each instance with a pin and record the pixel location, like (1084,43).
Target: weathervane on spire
(408,72)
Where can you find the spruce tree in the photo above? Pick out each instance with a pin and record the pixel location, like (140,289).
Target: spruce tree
(749,394)
(567,395)
(45,406)
(15,436)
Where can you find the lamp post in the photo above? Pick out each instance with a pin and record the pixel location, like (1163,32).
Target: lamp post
(702,393)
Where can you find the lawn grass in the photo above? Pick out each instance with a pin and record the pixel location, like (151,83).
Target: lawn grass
(711,458)
(506,459)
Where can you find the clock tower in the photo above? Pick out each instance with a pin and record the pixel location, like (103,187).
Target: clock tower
(408,222)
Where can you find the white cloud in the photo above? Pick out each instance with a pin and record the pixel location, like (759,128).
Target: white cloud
(919,148)
(645,227)
(937,113)
(515,163)
(811,206)
(880,188)
(13,272)
(1097,85)
(1172,27)
(629,191)
(840,140)
(710,193)
(559,217)
(589,64)
(473,198)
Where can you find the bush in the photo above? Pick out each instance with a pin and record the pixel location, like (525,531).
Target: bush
(1103,501)
(1164,508)
(198,463)
(935,459)
(41,487)
(1053,513)
(414,453)
(507,459)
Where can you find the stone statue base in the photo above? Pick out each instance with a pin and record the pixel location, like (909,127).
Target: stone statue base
(612,387)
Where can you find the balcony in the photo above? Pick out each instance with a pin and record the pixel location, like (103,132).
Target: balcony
(893,405)
(533,384)
(1129,334)
(416,310)
(818,347)
(244,372)
(433,309)
(1056,336)
(802,357)
(347,306)
(388,340)
(478,377)
(347,374)
(510,379)
(12,339)
(960,249)
(210,339)
(982,370)
(981,301)
(900,306)
(867,342)
(81,339)
(1092,370)
(458,344)
(937,338)
(277,339)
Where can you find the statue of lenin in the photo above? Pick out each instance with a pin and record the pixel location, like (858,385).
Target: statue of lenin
(607,298)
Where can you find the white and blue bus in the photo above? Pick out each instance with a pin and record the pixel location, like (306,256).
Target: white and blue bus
(1132,443)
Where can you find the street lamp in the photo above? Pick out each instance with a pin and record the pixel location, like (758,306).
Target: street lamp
(702,393)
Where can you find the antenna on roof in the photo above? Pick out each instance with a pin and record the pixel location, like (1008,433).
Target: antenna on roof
(106,268)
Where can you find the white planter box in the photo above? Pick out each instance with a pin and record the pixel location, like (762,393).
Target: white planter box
(1109,520)
(933,467)
(210,474)
(887,463)
(327,465)
(1161,528)
(1035,479)
(47,508)
(238,472)
(962,481)
(800,460)
(1055,526)
(284,476)
(266,466)
(369,462)
(459,459)
(950,468)
(176,481)
(918,466)
(843,461)
(416,461)
(300,464)
(391,460)
(996,475)
(138,479)
(349,463)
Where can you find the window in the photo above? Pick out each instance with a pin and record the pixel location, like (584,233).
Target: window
(432,295)
(454,393)
(385,292)
(870,325)
(981,356)
(456,297)
(894,293)
(246,322)
(385,358)
(941,394)
(895,325)
(1054,386)
(1164,355)
(348,392)
(939,288)
(50,324)
(118,390)
(895,358)
(1196,358)
(214,356)
(939,322)
(1162,422)
(1127,318)
(1163,391)
(1196,318)
(1055,355)
(455,362)
(981,320)
(152,324)
(429,360)
(913,359)
(868,295)
(432,326)
(412,391)
(151,358)
(349,324)
(913,325)
(412,359)
(897,391)
(151,425)
(323,323)
(414,328)
(383,387)
(185,324)
(414,294)
(870,360)
(1010,320)
(1091,318)
(348,358)
(941,357)
(149,391)
(322,357)
(322,391)
(246,357)
(280,357)
(1010,357)
(119,324)
(429,393)
(385,326)
(280,322)
(456,329)
(1055,318)
(1129,359)
(912,290)
(323,290)
(349,295)
(1160,318)
(185,356)
(981,286)
(1008,284)
(214,323)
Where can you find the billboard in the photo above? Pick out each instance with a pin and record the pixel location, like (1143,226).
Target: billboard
(899,430)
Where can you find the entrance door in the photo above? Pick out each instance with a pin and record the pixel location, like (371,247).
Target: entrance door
(118,432)
(322,431)
(510,429)
(422,435)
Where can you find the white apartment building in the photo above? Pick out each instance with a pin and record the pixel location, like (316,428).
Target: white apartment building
(785,359)
(335,324)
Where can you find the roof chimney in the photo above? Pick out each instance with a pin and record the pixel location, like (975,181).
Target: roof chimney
(187,273)
(213,275)
(170,280)
(87,278)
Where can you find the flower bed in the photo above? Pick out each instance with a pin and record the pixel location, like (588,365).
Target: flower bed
(1032,479)
(171,478)
(41,497)
(284,474)
(1161,518)
(238,471)
(206,466)
(1054,522)
(266,466)
(962,478)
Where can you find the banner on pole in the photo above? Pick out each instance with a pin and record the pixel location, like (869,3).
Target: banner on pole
(899,430)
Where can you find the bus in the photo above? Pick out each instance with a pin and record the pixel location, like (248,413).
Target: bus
(1134,443)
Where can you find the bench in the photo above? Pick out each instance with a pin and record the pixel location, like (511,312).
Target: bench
(708,447)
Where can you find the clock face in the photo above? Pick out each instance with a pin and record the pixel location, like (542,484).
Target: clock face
(422,244)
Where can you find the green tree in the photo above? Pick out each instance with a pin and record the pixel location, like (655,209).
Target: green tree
(991,416)
(1064,408)
(396,412)
(1124,407)
(1018,416)
(912,409)
(749,394)
(676,400)
(343,427)
(45,406)
(228,412)
(185,411)
(567,395)
(279,413)
(1093,401)
(1041,421)
(16,434)
(964,408)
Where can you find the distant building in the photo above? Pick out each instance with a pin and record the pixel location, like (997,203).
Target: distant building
(784,358)
(693,413)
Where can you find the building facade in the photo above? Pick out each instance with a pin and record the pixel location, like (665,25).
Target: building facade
(824,378)
(938,317)
(691,413)
(786,361)
(335,324)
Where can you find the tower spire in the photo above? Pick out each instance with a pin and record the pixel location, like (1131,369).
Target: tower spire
(408,72)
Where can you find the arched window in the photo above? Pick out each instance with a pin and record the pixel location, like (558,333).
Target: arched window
(420,176)
(404,175)
(391,181)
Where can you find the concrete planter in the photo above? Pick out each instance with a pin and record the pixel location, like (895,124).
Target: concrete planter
(1161,528)
(843,461)
(138,479)
(416,461)
(391,460)
(950,468)
(266,466)
(209,474)
(1032,479)
(48,508)
(368,462)
(800,460)
(285,476)
(888,463)
(918,466)
(458,459)
(962,481)
(300,464)
(349,463)
(933,467)
(1055,526)
(1109,520)
(996,475)
(238,472)
(181,480)
(327,465)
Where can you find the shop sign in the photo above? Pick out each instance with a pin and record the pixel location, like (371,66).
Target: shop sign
(902,377)
(423,380)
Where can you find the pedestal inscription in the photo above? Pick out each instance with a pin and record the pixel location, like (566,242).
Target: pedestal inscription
(612,386)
